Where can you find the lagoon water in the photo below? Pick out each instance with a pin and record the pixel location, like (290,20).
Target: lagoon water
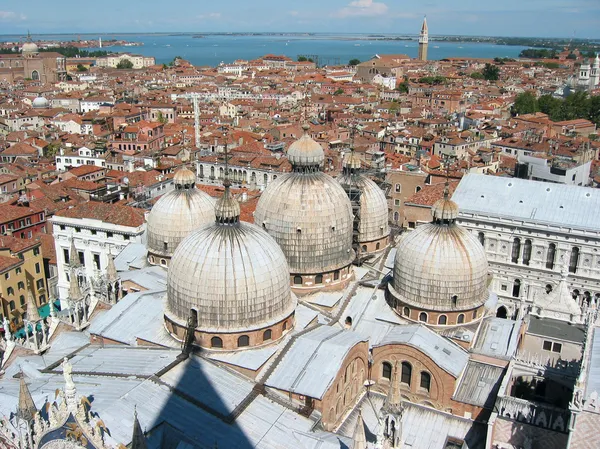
(212,49)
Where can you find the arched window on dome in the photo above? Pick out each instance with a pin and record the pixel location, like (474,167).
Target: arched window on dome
(297,280)
(516,250)
(550,256)
(284,325)
(243,341)
(319,279)
(216,342)
(336,275)
(364,248)
(474,314)
(461,318)
(549,288)
(265,179)
(163,262)
(406,312)
(406,375)
(267,335)
(442,319)
(425,381)
(423,317)
(527,252)
(378,245)
(386,370)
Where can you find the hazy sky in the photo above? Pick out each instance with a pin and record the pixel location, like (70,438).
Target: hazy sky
(470,17)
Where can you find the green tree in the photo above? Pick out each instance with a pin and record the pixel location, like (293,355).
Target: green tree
(52,149)
(302,59)
(403,87)
(550,105)
(339,92)
(432,80)
(491,72)
(594,110)
(525,103)
(354,61)
(81,68)
(477,75)
(161,118)
(571,56)
(125,64)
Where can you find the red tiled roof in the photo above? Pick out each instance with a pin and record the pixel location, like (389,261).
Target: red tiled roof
(108,213)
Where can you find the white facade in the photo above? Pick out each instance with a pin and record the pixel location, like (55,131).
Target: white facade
(93,105)
(138,61)
(542,170)
(530,230)
(95,239)
(83,156)
(210,172)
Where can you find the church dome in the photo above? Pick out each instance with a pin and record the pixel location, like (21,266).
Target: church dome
(305,151)
(441,266)
(40,103)
(29,47)
(175,215)
(310,217)
(444,210)
(373,207)
(232,274)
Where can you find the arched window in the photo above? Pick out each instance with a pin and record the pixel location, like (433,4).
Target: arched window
(482,239)
(442,319)
(406,375)
(243,340)
(297,280)
(319,279)
(201,169)
(423,317)
(474,314)
(35,75)
(550,256)
(336,275)
(265,179)
(10,291)
(516,250)
(549,288)
(163,262)
(11,305)
(502,312)
(267,335)
(216,342)
(398,188)
(527,252)
(284,325)
(406,311)
(378,245)
(21,285)
(425,380)
(386,370)
(396,216)
(516,288)
(364,248)
(349,321)
(461,318)
(574,261)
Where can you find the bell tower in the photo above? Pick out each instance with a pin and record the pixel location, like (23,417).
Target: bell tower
(423,41)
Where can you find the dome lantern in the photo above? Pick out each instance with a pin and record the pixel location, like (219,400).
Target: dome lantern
(306,154)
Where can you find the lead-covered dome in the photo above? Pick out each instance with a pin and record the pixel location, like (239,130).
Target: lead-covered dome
(441,266)
(175,215)
(233,275)
(306,152)
(310,217)
(372,207)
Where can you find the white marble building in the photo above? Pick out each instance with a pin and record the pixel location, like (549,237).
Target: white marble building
(530,230)
(96,232)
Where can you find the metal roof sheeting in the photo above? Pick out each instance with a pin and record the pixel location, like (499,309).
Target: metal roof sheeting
(445,354)
(321,351)
(479,384)
(530,201)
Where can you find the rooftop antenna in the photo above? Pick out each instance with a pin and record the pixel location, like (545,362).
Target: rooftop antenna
(226,182)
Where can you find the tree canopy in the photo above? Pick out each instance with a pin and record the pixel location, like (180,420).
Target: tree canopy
(491,72)
(575,106)
(525,103)
(354,61)
(125,64)
(433,80)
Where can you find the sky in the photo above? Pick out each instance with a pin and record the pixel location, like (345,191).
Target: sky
(551,18)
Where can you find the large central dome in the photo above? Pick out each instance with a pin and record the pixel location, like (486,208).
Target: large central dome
(440,271)
(309,215)
(175,215)
(232,277)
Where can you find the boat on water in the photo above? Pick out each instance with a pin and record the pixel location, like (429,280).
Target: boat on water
(436,46)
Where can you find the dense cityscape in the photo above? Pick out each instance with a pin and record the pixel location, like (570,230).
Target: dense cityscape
(299,251)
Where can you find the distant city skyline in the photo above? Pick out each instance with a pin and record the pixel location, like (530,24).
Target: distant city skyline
(533,18)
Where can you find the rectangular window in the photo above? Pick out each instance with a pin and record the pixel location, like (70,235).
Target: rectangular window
(504,287)
(39,284)
(126,237)
(36,251)
(42,299)
(97,261)
(37,268)
(81,257)
(66,255)
(109,234)
(94,232)
(62,227)
(557,347)
(547,346)
(18,270)
(7,276)
(396,202)
(77,229)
